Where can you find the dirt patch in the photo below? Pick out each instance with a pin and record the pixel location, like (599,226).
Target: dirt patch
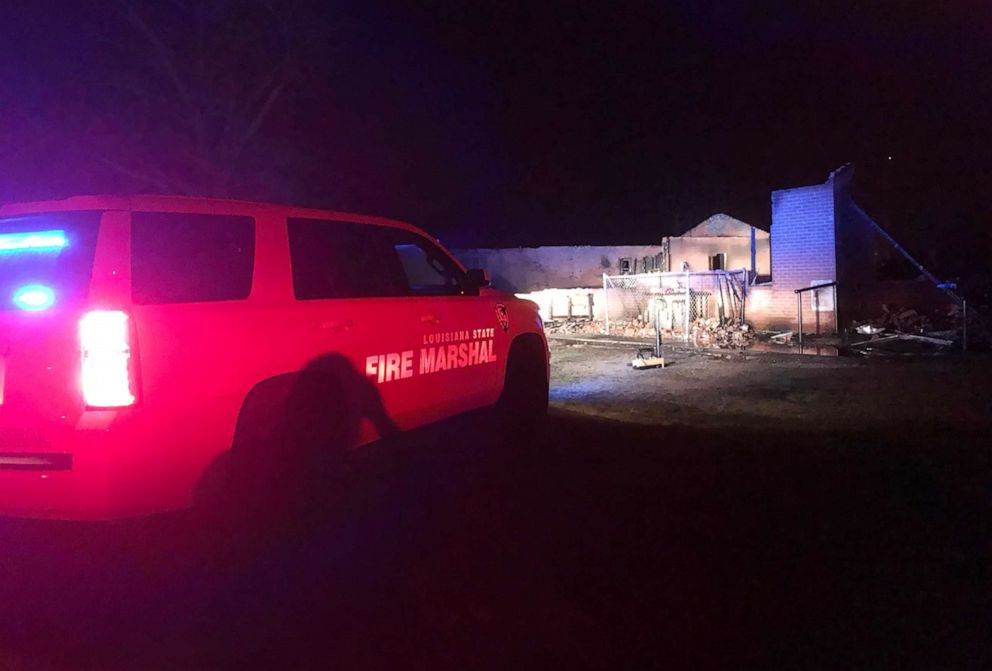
(732,389)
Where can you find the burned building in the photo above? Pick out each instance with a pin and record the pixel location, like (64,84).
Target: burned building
(820,236)
(819,262)
(719,242)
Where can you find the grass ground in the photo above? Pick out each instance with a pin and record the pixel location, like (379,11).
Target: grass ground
(721,513)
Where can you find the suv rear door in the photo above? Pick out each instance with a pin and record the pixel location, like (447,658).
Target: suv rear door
(198,338)
(46,268)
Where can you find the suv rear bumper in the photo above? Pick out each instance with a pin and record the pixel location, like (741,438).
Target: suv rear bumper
(70,479)
(112,464)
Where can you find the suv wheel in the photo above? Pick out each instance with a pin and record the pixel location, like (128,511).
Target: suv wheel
(525,389)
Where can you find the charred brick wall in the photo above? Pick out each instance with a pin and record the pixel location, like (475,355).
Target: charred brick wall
(803,252)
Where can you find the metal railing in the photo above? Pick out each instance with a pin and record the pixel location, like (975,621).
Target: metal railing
(816,311)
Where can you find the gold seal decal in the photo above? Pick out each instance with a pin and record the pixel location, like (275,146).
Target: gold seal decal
(502,317)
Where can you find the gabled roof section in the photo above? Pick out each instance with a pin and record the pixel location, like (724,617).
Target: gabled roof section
(721,226)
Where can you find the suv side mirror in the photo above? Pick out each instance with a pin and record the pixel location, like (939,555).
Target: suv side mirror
(477,278)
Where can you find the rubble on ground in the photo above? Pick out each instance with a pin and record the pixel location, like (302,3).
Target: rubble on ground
(702,333)
(903,320)
(730,335)
(782,337)
(633,328)
(905,331)
(573,327)
(905,344)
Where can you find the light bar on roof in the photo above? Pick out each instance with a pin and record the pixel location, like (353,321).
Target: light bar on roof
(36,241)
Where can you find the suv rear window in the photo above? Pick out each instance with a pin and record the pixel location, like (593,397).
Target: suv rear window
(46,259)
(191,258)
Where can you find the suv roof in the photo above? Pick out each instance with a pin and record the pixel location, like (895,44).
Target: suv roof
(190,204)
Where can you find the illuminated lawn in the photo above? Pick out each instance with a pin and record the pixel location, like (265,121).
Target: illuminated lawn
(773,513)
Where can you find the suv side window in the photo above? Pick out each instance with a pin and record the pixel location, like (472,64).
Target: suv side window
(191,258)
(340,259)
(427,270)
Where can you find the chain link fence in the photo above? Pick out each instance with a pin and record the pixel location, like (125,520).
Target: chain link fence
(681,302)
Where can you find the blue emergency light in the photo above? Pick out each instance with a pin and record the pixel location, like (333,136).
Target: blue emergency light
(34,298)
(36,241)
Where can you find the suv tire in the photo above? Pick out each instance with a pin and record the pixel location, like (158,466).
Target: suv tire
(524,400)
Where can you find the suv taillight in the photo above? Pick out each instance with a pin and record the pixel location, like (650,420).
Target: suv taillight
(105,340)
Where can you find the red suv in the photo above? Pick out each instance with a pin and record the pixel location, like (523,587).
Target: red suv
(141,337)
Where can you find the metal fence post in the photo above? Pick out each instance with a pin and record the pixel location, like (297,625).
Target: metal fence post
(799,310)
(718,280)
(744,287)
(606,305)
(816,308)
(836,323)
(687,307)
(964,325)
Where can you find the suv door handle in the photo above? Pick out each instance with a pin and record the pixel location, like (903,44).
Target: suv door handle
(430,319)
(340,325)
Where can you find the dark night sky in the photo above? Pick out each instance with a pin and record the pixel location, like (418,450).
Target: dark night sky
(508,122)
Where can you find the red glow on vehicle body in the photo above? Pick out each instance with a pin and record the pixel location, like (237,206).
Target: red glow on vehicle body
(116,402)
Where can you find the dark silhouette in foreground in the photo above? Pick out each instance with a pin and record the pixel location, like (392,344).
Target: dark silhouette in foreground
(293,448)
(608,545)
